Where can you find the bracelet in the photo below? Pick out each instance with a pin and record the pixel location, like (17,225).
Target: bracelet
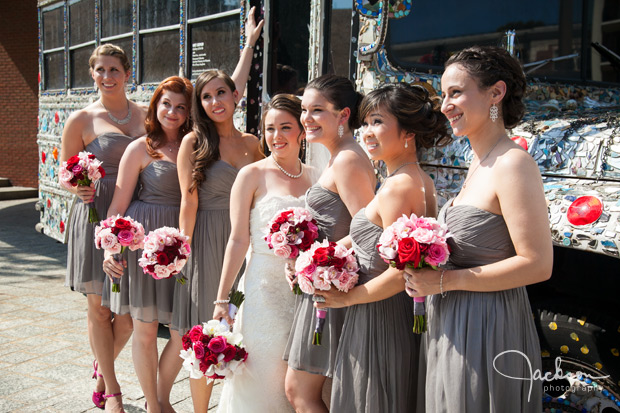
(441,291)
(216,302)
(248,46)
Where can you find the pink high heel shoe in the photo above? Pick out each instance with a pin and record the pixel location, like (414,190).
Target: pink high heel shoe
(109,396)
(98,396)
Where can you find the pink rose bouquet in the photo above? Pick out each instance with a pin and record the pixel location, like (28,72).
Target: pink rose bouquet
(165,253)
(115,234)
(212,351)
(290,232)
(323,265)
(82,170)
(415,242)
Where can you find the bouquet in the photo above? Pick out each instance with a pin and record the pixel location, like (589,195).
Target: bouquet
(82,170)
(115,235)
(415,242)
(212,351)
(165,253)
(324,264)
(289,232)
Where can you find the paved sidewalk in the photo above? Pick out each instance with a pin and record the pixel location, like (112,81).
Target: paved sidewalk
(45,359)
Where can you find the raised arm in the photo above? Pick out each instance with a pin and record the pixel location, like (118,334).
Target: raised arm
(242,71)
(189,200)
(241,197)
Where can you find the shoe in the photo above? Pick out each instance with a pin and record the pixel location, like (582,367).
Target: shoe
(109,396)
(95,372)
(99,399)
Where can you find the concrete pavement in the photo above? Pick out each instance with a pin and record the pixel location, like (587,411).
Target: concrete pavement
(45,358)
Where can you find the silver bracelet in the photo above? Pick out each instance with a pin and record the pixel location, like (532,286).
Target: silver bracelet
(441,291)
(248,46)
(216,302)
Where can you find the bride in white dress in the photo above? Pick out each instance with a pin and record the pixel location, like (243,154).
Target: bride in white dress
(261,190)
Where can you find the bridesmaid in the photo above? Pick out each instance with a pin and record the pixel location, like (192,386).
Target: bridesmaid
(501,243)
(104,128)
(209,159)
(377,359)
(329,115)
(150,163)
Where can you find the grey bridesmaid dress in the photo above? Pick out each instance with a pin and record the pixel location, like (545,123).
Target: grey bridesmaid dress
(468,331)
(84,262)
(193,302)
(377,361)
(158,204)
(333,220)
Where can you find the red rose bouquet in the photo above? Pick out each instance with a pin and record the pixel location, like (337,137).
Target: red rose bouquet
(82,170)
(115,235)
(165,253)
(323,265)
(210,350)
(415,242)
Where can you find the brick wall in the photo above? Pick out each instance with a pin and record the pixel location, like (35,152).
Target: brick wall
(19,92)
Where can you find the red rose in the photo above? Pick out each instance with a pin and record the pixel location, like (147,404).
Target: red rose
(241,354)
(408,252)
(187,342)
(91,156)
(101,171)
(71,162)
(306,241)
(321,257)
(275,227)
(209,360)
(150,268)
(229,353)
(195,334)
(122,224)
(162,259)
(281,219)
(338,263)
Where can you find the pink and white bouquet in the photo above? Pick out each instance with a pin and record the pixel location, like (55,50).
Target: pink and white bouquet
(82,170)
(165,253)
(323,265)
(210,350)
(290,232)
(115,234)
(415,242)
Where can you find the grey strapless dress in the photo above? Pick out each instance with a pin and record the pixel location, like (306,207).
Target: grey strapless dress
(158,204)
(333,220)
(377,361)
(193,302)
(468,330)
(84,262)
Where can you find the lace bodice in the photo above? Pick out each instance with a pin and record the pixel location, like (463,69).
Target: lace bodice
(264,210)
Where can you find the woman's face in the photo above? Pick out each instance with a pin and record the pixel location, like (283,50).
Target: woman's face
(383,137)
(109,74)
(218,101)
(319,117)
(172,110)
(465,105)
(282,133)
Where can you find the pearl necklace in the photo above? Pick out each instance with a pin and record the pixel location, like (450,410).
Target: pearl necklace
(301,166)
(479,163)
(116,120)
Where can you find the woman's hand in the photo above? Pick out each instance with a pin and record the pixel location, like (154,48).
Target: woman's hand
(334,298)
(422,282)
(252,30)
(221,311)
(289,272)
(86,193)
(111,267)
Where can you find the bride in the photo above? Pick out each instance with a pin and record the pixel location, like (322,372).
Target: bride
(261,190)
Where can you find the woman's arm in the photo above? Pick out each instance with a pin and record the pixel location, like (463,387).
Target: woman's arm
(242,71)
(518,187)
(72,144)
(241,197)
(189,200)
(353,183)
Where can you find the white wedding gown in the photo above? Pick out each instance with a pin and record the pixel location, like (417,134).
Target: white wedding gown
(264,320)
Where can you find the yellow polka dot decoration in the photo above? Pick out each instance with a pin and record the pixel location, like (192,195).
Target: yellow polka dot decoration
(574,336)
(615,352)
(582,320)
(598,365)
(553,326)
(564,349)
(585,349)
(545,353)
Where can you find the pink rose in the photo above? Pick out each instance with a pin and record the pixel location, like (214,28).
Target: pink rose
(93,172)
(282,251)
(125,237)
(108,239)
(436,255)
(304,260)
(65,177)
(305,284)
(217,344)
(278,239)
(309,270)
(196,333)
(341,283)
(161,272)
(321,284)
(387,252)
(423,235)
(199,349)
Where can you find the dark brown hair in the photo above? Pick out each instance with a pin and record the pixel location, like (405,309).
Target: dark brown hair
(414,109)
(207,144)
(341,93)
(154,133)
(287,103)
(488,65)
(109,49)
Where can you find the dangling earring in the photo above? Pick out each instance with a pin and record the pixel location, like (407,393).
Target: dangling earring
(494,112)
(406,144)
(303,150)
(340,131)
